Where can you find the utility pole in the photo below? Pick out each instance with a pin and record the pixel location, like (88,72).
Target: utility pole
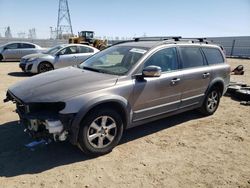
(64,27)
(32,33)
(8,32)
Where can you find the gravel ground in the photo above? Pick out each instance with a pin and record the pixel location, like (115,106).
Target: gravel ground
(185,150)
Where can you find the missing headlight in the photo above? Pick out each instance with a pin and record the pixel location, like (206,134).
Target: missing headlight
(48,107)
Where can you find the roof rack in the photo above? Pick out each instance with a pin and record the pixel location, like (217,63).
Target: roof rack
(176,38)
(168,39)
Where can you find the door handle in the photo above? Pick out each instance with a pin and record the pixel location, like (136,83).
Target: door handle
(206,75)
(175,81)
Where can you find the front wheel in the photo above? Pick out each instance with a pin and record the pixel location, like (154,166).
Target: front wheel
(211,102)
(100,132)
(45,67)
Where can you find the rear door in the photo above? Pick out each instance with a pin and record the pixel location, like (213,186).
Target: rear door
(196,75)
(159,95)
(26,49)
(84,52)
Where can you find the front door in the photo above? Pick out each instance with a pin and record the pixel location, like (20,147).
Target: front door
(159,95)
(11,51)
(66,57)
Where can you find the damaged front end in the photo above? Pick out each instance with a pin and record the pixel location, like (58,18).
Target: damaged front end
(42,120)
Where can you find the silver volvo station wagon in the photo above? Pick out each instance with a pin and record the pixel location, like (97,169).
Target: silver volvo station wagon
(125,85)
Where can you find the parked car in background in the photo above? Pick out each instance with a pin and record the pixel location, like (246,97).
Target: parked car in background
(57,57)
(125,85)
(14,51)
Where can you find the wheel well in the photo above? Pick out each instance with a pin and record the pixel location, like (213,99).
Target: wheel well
(219,86)
(112,105)
(46,62)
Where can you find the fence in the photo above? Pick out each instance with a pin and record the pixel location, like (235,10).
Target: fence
(234,46)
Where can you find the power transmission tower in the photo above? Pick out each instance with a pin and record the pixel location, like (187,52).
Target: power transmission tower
(64,27)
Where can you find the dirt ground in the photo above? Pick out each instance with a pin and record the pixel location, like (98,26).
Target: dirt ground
(186,150)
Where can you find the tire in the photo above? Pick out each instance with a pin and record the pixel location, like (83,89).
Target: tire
(100,132)
(45,67)
(1,57)
(211,102)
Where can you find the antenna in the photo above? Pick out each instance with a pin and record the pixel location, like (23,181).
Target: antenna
(64,27)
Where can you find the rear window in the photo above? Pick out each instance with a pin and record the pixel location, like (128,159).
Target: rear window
(213,56)
(191,57)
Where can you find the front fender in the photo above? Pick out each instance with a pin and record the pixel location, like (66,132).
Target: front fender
(75,126)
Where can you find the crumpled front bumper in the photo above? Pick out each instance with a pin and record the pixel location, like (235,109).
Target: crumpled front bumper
(42,124)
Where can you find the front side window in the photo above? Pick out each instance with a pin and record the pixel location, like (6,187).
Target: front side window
(83,49)
(69,50)
(12,46)
(117,60)
(166,59)
(213,56)
(191,57)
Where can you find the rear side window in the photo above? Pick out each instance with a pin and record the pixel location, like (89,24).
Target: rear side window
(213,56)
(191,57)
(83,49)
(24,45)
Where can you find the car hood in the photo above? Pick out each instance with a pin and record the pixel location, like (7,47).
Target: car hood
(61,84)
(37,55)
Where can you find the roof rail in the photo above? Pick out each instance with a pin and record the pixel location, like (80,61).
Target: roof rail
(200,40)
(168,39)
(176,38)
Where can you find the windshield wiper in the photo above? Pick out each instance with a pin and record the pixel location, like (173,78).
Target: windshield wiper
(92,69)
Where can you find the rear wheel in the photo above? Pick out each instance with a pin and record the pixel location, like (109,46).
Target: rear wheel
(100,132)
(211,102)
(45,67)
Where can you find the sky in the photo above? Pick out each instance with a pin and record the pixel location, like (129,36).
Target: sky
(131,18)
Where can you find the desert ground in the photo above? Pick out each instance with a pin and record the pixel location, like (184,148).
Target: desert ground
(185,150)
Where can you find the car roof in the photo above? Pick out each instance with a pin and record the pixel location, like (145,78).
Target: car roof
(152,44)
(20,42)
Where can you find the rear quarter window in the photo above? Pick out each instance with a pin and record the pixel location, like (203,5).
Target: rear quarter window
(213,56)
(24,45)
(191,57)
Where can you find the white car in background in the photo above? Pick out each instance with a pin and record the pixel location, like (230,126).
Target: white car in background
(57,57)
(14,51)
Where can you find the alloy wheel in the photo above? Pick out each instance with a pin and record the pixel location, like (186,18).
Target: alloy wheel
(102,132)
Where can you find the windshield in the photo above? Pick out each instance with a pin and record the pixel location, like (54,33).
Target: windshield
(89,35)
(117,60)
(53,50)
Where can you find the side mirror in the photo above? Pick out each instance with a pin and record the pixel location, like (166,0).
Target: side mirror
(151,71)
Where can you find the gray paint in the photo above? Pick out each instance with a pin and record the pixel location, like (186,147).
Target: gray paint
(142,100)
